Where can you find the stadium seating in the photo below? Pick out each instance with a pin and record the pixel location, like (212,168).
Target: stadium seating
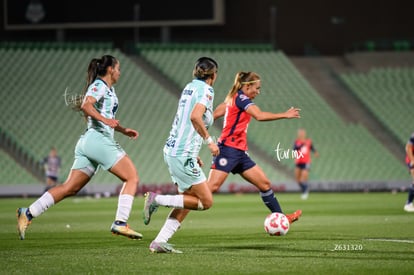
(347,151)
(12,173)
(35,113)
(388,94)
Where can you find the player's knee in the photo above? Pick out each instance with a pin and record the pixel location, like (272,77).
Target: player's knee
(132,180)
(135,180)
(214,187)
(266,185)
(131,184)
(205,204)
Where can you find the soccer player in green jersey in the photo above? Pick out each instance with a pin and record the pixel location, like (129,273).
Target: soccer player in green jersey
(96,147)
(189,129)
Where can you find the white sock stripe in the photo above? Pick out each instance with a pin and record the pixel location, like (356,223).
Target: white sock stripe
(267,193)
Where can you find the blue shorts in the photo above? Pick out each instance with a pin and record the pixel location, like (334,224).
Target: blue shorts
(232,160)
(303,166)
(96,149)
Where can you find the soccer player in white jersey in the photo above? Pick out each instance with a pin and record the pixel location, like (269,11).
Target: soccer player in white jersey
(189,129)
(96,147)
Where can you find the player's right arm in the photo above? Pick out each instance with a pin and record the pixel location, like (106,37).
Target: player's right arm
(89,110)
(259,115)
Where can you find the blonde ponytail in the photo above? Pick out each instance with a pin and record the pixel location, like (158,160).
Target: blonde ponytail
(241,79)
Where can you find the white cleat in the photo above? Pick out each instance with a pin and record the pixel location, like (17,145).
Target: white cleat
(409,207)
(156,247)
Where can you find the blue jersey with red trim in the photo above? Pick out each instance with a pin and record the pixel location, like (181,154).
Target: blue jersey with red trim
(236,122)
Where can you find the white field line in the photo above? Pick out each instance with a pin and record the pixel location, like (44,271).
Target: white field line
(390,240)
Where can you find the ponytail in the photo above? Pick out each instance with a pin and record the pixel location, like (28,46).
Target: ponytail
(241,79)
(97,67)
(204,68)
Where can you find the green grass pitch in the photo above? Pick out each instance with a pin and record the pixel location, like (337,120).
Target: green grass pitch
(339,233)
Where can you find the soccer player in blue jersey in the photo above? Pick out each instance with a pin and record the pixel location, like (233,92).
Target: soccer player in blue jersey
(190,127)
(409,159)
(238,109)
(96,147)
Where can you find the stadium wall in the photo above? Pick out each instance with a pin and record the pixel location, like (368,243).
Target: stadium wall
(99,190)
(331,27)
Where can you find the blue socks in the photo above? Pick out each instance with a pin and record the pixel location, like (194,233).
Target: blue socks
(303,186)
(270,201)
(410,194)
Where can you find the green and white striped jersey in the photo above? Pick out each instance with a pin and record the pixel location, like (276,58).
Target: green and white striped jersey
(106,104)
(184,140)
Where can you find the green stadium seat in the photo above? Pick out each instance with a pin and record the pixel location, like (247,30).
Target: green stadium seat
(388,93)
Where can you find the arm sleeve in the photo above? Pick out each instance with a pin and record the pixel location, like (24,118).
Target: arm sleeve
(243,102)
(95,90)
(206,96)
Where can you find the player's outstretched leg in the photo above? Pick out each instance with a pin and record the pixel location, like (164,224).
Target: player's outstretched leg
(172,224)
(125,170)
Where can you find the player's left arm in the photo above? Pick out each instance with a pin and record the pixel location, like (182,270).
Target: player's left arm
(219,111)
(131,133)
(259,115)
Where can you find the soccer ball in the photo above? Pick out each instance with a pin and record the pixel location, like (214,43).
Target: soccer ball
(276,224)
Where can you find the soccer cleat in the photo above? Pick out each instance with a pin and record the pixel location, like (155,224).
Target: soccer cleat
(150,206)
(23,221)
(124,230)
(156,247)
(294,216)
(409,207)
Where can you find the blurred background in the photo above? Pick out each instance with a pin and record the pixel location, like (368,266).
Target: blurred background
(349,65)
